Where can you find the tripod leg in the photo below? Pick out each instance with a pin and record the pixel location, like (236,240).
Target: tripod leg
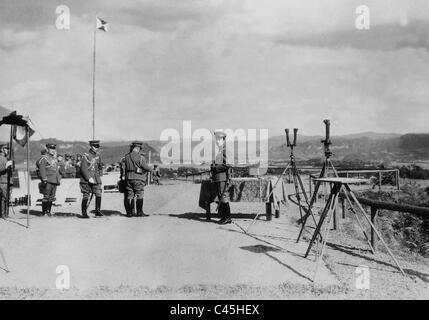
(374,228)
(327,227)
(304,222)
(321,220)
(352,209)
(313,199)
(298,197)
(268,197)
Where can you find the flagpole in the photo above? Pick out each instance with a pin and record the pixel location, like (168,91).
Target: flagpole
(93,79)
(27,134)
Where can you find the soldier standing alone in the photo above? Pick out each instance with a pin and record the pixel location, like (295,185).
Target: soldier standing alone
(91,170)
(5,164)
(134,173)
(220,175)
(50,176)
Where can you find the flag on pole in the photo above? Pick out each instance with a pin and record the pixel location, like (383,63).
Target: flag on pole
(19,134)
(101,24)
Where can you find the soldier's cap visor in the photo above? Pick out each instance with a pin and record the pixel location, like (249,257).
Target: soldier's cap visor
(137,144)
(220,134)
(94,143)
(51,146)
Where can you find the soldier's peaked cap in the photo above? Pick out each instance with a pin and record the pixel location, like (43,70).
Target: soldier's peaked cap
(137,144)
(95,143)
(51,146)
(4,146)
(219,134)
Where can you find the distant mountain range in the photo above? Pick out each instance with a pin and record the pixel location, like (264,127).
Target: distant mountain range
(367,146)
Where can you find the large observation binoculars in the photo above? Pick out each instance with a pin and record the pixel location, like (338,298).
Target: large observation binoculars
(295,135)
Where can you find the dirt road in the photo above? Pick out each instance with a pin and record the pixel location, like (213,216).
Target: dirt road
(175,253)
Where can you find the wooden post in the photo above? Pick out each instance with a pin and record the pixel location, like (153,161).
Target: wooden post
(379,181)
(268,211)
(397,179)
(334,218)
(343,206)
(277,211)
(374,222)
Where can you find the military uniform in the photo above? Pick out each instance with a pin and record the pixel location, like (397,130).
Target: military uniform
(220,174)
(91,170)
(3,181)
(49,173)
(135,170)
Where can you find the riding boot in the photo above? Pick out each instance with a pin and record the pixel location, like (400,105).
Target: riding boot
(128,207)
(227,214)
(132,207)
(221,212)
(97,207)
(139,204)
(44,207)
(48,208)
(84,206)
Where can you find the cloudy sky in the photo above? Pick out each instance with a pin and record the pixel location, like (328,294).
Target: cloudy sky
(220,63)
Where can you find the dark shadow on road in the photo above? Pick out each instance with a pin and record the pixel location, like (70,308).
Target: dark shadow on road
(14,222)
(349,250)
(202,216)
(265,250)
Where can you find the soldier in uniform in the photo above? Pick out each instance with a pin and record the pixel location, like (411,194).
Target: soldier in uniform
(134,173)
(220,175)
(91,170)
(5,164)
(49,173)
(69,167)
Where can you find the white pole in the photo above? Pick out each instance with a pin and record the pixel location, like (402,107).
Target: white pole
(28,176)
(93,79)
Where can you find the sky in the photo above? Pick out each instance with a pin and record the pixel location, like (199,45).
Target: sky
(247,64)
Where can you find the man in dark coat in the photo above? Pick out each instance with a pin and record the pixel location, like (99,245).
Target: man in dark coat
(220,174)
(5,165)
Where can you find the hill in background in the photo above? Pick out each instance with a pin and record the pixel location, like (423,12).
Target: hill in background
(369,146)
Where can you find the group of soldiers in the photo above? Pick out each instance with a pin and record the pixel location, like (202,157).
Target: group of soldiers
(133,176)
(134,170)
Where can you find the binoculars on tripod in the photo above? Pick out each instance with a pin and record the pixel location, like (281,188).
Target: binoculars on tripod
(295,134)
(327,140)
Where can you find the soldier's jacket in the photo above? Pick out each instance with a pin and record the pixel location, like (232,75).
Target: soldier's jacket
(3,170)
(220,169)
(49,169)
(134,167)
(91,167)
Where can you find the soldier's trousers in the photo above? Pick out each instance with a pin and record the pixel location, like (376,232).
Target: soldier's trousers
(49,192)
(134,189)
(221,191)
(3,199)
(88,189)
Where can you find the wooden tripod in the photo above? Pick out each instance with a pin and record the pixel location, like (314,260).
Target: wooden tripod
(327,214)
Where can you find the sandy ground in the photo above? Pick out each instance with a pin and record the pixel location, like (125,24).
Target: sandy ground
(175,253)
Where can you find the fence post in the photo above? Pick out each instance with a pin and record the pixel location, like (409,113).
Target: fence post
(379,181)
(397,179)
(374,222)
(343,206)
(268,211)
